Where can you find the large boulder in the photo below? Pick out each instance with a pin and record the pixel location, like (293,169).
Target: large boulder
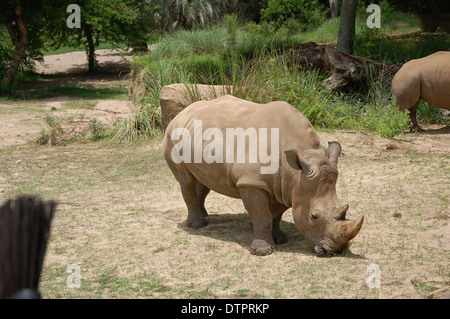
(175,97)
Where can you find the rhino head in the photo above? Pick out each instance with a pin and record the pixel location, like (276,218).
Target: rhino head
(316,209)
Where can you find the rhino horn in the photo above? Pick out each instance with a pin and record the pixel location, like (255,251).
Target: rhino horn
(341,212)
(333,152)
(349,229)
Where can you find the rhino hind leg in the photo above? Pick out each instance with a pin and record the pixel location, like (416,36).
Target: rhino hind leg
(194,203)
(413,117)
(278,236)
(256,202)
(202,191)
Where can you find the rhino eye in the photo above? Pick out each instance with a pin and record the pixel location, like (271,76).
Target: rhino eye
(314,215)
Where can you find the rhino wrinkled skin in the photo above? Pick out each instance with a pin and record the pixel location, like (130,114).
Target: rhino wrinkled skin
(305,180)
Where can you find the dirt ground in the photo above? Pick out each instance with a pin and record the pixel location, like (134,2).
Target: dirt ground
(121,220)
(22,120)
(110,61)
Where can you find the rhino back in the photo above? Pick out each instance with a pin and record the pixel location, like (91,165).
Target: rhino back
(435,79)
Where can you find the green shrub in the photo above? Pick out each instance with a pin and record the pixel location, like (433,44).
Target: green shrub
(6,49)
(429,114)
(43,138)
(97,130)
(53,122)
(308,13)
(384,120)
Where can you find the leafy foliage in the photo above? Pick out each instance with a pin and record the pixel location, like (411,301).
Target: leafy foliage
(385,120)
(308,13)
(20,29)
(113,21)
(188,14)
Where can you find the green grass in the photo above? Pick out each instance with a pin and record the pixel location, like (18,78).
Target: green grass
(327,32)
(390,23)
(423,288)
(67,49)
(88,92)
(120,219)
(373,44)
(85,92)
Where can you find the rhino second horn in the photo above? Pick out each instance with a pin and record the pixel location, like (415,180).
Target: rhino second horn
(341,212)
(349,229)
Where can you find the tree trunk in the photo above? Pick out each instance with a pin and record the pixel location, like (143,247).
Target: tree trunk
(347,73)
(92,62)
(346,33)
(20,43)
(334,8)
(235,5)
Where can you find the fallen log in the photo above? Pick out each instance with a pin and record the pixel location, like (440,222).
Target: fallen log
(347,73)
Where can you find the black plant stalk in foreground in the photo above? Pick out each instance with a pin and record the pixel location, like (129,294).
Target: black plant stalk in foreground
(24,231)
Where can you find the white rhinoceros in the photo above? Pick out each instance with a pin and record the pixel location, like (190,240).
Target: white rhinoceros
(427,78)
(269,156)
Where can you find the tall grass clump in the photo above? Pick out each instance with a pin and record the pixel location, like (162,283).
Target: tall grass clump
(183,43)
(145,123)
(271,79)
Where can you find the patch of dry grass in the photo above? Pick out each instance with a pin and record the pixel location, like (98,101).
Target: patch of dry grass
(121,220)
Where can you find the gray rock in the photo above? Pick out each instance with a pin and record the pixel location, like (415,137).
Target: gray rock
(175,97)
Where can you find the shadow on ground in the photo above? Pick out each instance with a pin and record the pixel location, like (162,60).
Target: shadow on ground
(442,130)
(238,228)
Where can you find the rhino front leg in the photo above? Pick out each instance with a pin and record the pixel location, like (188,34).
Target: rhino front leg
(278,236)
(256,202)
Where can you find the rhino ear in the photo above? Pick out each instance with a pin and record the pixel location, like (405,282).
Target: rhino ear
(293,159)
(333,152)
